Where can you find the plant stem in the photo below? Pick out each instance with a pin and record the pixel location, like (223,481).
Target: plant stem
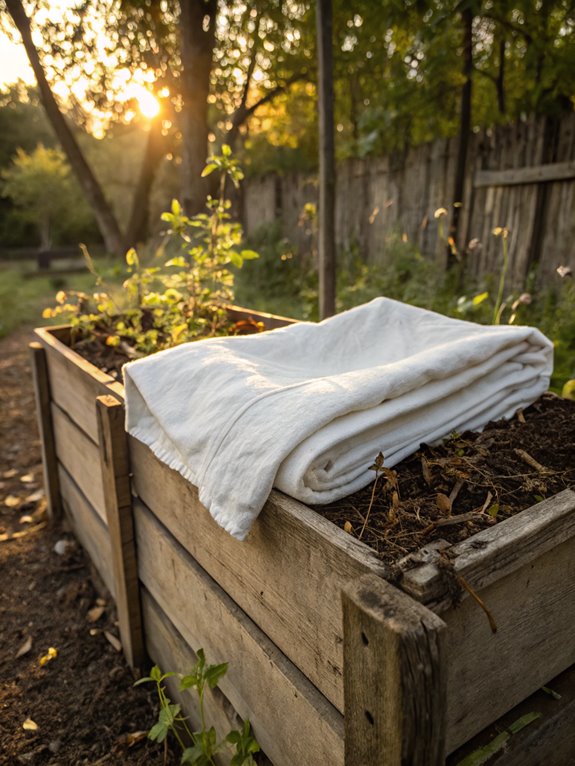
(498,310)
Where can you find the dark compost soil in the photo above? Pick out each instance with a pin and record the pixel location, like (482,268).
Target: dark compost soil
(80,707)
(470,482)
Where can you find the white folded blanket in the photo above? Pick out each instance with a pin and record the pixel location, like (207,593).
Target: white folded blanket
(307,407)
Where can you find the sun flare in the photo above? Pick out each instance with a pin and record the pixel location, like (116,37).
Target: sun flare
(148,104)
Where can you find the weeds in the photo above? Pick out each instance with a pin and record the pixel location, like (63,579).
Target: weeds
(170,301)
(198,748)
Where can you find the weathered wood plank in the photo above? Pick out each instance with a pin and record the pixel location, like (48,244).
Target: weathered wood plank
(394,678)
(549,739)
(287,576)
(88,527)
(499,550)
(44,417)
(261,683)
(557,171)
(489,673)
(74,382)
(114,461)
(81,458)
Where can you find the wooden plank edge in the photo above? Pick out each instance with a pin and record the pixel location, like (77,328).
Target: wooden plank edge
(395,679)
(51,340)
(495,552)
(557,171)
(114,462)
(46,429)
(318,724)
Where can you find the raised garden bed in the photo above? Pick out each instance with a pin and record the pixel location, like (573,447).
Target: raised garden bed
(417,676)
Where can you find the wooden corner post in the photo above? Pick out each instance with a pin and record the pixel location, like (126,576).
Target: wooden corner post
(394,678)
(44,415)
(118,499)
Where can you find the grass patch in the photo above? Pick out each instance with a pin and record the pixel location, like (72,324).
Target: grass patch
(23,297)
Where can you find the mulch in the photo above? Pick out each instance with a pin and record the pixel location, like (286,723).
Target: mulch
(77,704)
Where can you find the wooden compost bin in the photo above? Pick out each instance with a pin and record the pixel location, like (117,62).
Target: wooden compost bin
(301,610)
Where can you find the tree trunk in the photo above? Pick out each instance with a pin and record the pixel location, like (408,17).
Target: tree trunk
(464,131)
(197,30)
(138,225)
(500,82)
(104,216)
(326,161)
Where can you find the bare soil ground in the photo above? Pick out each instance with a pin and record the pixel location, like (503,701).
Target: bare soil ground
(79,705)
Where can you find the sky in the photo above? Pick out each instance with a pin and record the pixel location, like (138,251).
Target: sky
(13,63)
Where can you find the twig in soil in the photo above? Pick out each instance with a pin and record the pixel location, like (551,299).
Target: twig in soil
(526,457)
(366,519)
(456,490)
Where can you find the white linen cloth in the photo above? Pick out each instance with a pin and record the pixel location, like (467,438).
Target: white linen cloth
(307,407)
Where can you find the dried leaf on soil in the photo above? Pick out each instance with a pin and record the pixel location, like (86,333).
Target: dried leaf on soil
(95,613)
(30,725)
(113,640)
(25,648)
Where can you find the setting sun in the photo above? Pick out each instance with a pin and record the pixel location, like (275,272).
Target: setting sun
(148,104)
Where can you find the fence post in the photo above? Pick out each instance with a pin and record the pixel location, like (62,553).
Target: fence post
(44,415)
(394,678)
(116,478)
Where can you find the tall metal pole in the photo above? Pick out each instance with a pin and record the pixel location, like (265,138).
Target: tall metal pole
(326,160)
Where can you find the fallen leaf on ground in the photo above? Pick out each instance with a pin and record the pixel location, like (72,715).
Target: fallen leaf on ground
(25,648)
(132,738)
(27,478)
(114,641)
(95,613)
(9,474)
(30,725)
(35,496)
(26,519)
(50,655)
(11,501)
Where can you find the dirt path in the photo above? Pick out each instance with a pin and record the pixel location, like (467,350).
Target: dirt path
(79,706)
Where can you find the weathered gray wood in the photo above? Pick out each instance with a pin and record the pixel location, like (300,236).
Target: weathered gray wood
(287,576)
(114,461)
(489,673)
(261,683)
(45,427)
(499,550)
(75,383)
(88,528)
(394,678)
(548,739)
(557,171)
(81,458)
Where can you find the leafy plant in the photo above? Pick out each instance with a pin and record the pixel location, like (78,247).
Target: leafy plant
(198,748)
(172,300)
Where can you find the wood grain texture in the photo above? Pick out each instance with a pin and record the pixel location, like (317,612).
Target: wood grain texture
(546,741)
(394,678)
(115,467)
(74,382)
(556,171)
(534,609)
(261,683)
(287,576)
(81,458)
(88,527)
(497,551)
(45,427)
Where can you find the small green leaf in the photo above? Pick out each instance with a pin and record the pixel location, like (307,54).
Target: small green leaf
(176,208)
(478,299)
(551,692)
(493,510)
(249,255)
(226,151)
(214,672)
(158,732)
(156,673)
(209,169)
